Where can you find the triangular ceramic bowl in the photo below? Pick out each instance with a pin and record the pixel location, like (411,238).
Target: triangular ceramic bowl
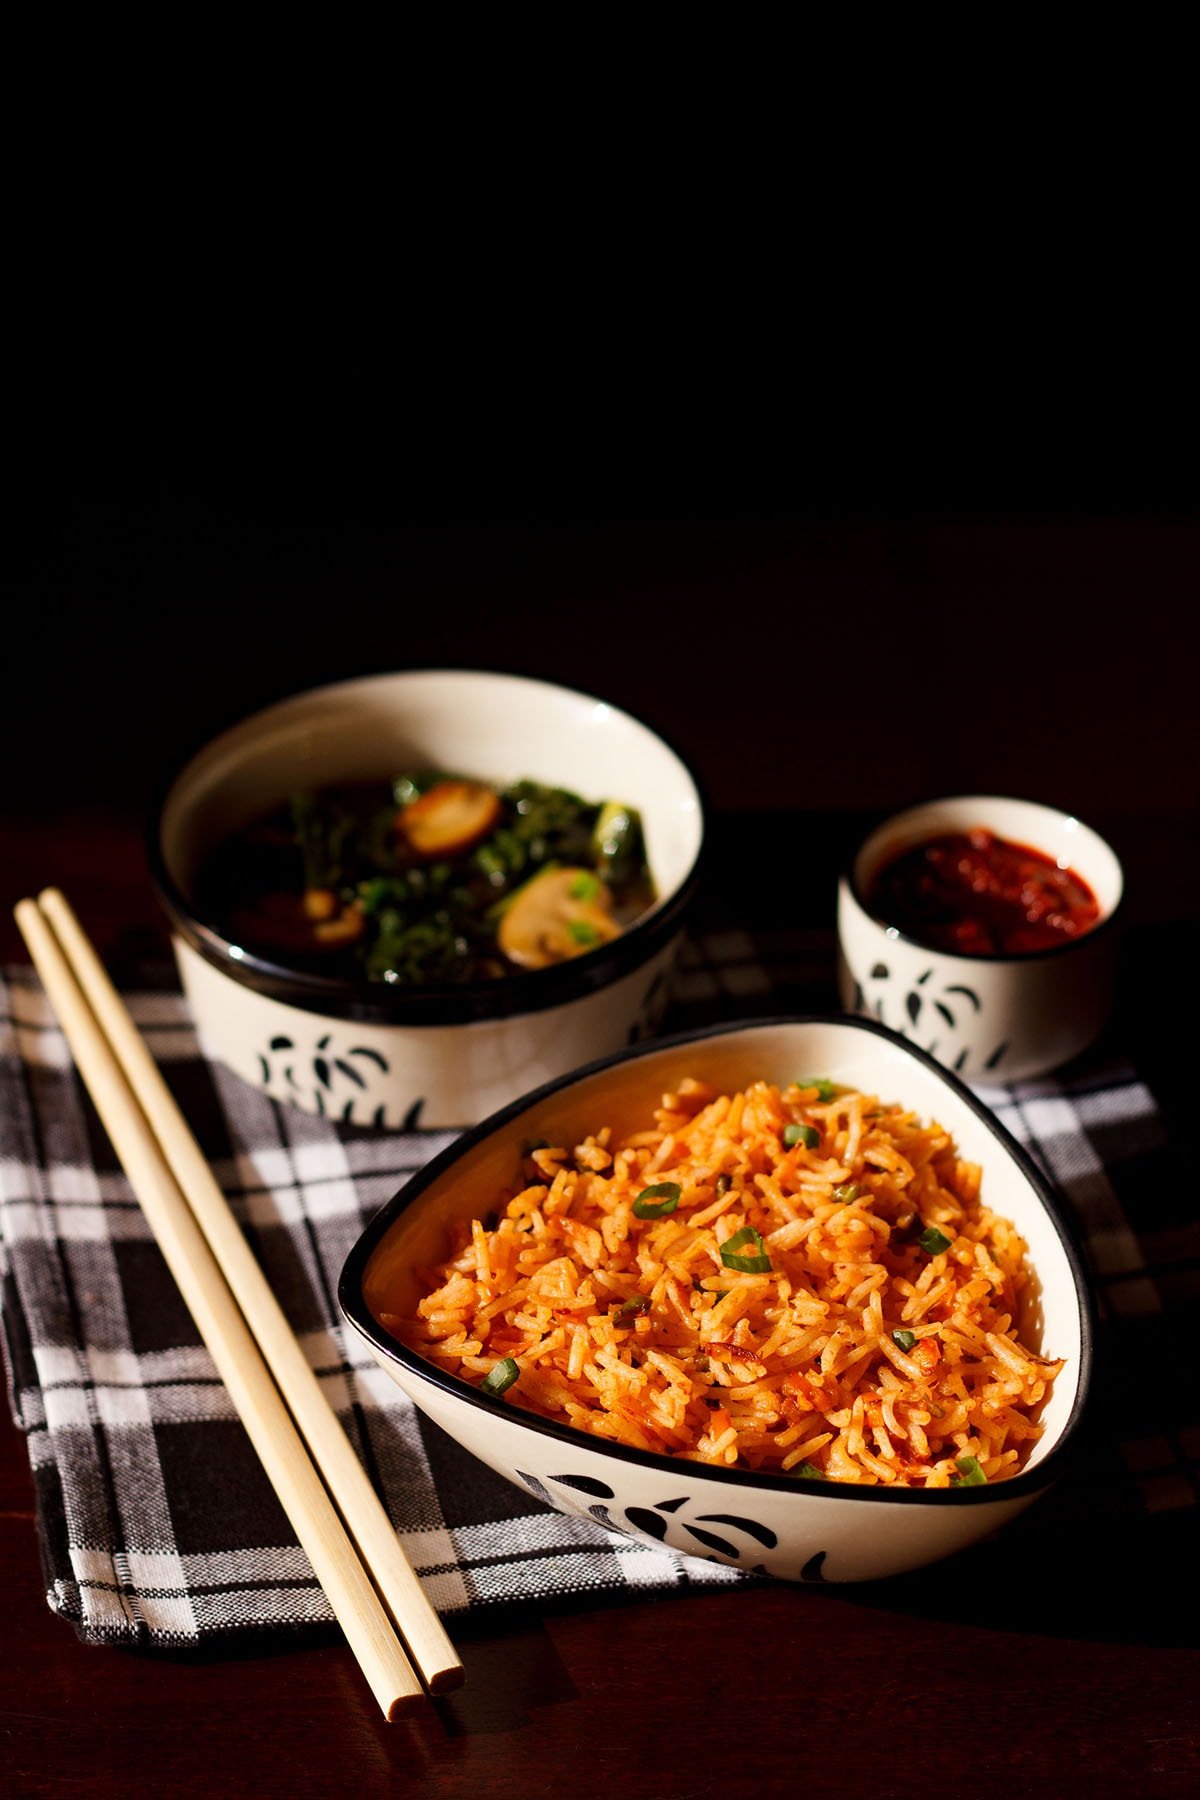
(799,1531)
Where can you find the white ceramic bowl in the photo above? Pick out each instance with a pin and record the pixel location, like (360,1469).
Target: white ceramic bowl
(398,1057)
(992,1019)
(797,1531)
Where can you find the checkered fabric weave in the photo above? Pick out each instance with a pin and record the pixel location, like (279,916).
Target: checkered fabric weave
(158,1527)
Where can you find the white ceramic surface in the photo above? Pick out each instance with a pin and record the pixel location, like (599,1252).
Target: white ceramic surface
(796,1531)
(992,1019)
(391,1057)
(405,1077)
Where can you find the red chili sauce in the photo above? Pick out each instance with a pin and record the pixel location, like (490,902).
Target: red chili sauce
(981,896)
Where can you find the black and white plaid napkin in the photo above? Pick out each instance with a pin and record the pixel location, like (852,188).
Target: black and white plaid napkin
(158,1527)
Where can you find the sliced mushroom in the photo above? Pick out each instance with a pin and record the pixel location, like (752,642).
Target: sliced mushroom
(345,928)
(450,818)
(558,914)
(319,904)
(300,923)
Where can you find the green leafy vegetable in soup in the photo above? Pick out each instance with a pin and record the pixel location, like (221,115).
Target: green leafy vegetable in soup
(430,878)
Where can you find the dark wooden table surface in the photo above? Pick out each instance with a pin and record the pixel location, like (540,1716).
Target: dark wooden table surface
(1042,1661)
(853,670)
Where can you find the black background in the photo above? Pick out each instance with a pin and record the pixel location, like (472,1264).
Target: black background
(842,590)
(857,451)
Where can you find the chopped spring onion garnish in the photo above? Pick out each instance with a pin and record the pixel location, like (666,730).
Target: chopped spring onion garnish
(806,1471)
(969,1473)
(933,1241)
(904,1339)
(849,1190)
(758,1263)
(656,1202)
(583,933)
(825,1089)
(584,887)
(636,1303)
(808,1135)
(500,1378)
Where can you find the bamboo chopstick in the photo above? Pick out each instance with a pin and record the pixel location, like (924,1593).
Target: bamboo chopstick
(428,1642)
(255,1351)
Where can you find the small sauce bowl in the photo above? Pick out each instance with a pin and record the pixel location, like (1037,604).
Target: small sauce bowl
(991,1018)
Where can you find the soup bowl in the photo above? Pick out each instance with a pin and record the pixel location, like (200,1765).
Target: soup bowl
(797,1530)
(401,1056)
(991,1017)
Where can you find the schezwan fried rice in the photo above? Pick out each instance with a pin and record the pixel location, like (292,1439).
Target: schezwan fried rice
(799,1279)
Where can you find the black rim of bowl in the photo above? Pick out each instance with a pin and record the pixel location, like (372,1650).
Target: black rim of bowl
(376,1003)
(1029,1482)
(1102,928)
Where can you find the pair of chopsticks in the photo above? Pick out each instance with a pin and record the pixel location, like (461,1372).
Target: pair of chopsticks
(369,1582)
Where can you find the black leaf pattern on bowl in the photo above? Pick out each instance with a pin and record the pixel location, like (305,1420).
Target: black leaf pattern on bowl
(327,1068)
(751,1527)
(904,1012)
(651,1522)
(647,1522)
(712,1542)
(586,1485)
